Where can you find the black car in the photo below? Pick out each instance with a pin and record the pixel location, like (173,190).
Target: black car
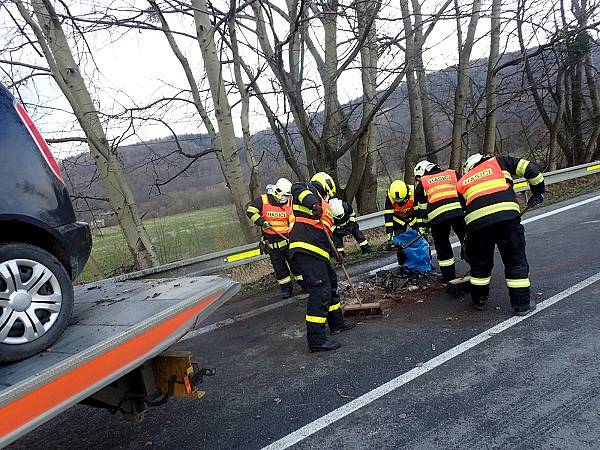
(42,245)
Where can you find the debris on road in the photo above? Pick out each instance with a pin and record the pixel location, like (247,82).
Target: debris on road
(341,394)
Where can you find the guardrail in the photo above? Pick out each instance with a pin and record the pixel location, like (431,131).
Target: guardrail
(245,254)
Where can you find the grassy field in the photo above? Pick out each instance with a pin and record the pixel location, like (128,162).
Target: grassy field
(175,237)
(196,233)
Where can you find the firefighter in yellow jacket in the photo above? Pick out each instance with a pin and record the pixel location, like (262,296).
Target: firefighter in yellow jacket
(311,253)
(440,210)
(273,213)
(493,220)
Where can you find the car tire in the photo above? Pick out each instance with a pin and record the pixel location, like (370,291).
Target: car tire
(44,285)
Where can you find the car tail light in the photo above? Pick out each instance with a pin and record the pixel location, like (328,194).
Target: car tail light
(39,141)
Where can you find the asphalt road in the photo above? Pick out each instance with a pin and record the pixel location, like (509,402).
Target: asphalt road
(450,382)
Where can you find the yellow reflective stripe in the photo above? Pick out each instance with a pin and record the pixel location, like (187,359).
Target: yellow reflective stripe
(243,255)
(446,262)
(398,220)
(285,280)
(309,247)
(520,185)
(303,195)
(278,244)
(480,281)
(422,206)
(596,167)
(492,209)
(297,277)
(389,211)
(518,283)
(389,224)
(340,249)
(363,243)
(521,167)
(255,217)
(302,209)
(483,187)
(536,180)
(442,195)
(334,307)
(442,209)
(316,319)
(507,174)
(252,209)
(442,187)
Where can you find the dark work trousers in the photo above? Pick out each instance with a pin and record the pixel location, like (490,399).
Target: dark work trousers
(509,237)
(285,269)
(320,280)
(352,229)
(441,239)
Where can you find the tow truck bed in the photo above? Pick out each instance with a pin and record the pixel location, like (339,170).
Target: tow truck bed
(116,327)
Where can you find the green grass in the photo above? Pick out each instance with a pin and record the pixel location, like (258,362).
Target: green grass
(174,237)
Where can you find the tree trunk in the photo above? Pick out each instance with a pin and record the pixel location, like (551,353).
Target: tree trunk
(416,142)
(462,85)
(362,183)
(428,128)
(255,185)
(231,159)
(489,143)
(67,75)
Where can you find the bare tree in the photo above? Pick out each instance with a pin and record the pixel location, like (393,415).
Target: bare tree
(55,47)
(462,85)
(489,142)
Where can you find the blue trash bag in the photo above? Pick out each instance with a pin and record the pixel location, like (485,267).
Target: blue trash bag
(418,258)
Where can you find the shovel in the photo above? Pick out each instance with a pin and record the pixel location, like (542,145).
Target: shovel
(359,308)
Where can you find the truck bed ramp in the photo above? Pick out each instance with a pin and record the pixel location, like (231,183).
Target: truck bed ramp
(116,327)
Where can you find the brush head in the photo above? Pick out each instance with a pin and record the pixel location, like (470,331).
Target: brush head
(364,309)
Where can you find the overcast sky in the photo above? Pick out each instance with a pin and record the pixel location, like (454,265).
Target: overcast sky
(134,68)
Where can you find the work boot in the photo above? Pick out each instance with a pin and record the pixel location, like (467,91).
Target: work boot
(287,291)
(324,347)
(348,325)
(525,309)
(480,303)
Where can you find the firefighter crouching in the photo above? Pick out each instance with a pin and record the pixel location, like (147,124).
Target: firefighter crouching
(440,209)
(400,213)
(311,253)
(273,213)
(345,224)
(493,219)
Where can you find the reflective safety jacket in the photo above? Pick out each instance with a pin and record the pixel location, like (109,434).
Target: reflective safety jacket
(437,197)
(280,217)
(307,235)
(399,216)
(487,192)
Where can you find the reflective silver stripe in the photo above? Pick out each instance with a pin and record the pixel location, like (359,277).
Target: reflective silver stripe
(491,209)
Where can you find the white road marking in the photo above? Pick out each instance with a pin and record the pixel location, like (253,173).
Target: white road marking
(244,316)
(591,221)
(390,386)
(524,221)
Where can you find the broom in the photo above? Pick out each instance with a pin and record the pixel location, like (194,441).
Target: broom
(360,308)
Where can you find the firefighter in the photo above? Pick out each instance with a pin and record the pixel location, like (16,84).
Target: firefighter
(311,252)
(400,213)
(440,210)
(273,213)
(493,219)
(345,224)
